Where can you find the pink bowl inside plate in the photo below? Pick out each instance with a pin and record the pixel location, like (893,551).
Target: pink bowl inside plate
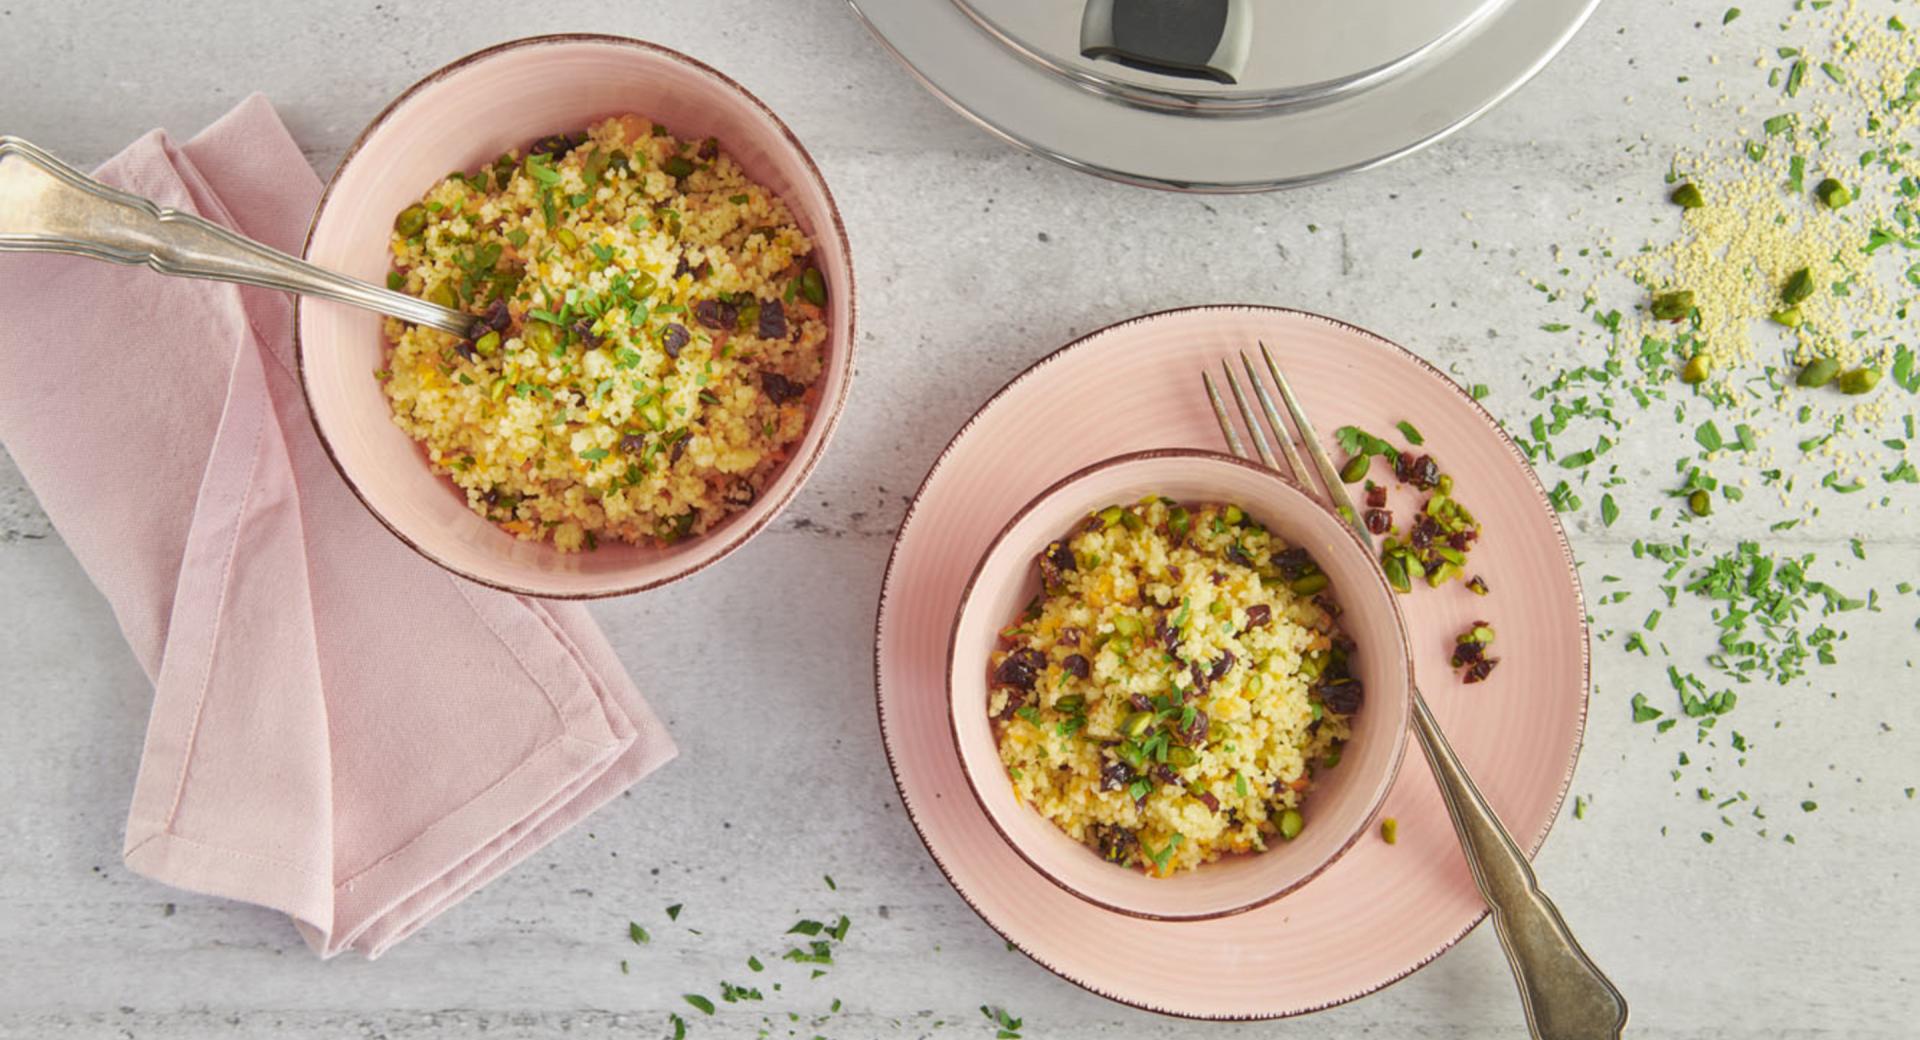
(1343,799)
(457,119)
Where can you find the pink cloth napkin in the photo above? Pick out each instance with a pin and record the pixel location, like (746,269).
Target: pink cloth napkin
(341,730)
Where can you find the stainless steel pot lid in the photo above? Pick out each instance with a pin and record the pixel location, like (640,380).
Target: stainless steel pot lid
(1223,95)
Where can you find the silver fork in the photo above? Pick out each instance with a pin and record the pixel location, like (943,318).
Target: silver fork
(1565,995)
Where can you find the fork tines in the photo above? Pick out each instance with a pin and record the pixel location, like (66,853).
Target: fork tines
(1335,489)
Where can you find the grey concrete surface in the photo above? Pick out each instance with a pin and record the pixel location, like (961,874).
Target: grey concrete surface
(975,260)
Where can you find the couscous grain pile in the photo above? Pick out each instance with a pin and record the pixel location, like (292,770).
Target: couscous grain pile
(1169,694)
(653,331)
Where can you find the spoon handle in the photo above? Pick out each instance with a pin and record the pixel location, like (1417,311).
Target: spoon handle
(50,207)
(1566,996)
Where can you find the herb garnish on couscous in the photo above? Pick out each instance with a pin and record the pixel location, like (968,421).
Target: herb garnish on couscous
(1168,695)
(654,327)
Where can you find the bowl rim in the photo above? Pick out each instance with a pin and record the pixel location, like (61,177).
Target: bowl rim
(826,412)
(1400,736)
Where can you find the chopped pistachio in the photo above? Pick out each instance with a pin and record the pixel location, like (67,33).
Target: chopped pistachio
(1859,380)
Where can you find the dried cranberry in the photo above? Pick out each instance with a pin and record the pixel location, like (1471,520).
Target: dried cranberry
(1014,702)
(1217,578)
(1020,669)
(1376,495)
(1076,664)
(1115,843)
(1201,679)
(673,337)
(1403,467)
(633,443)
(1480,670)
(556,145)
(1342,696)
(1419,470)
(1069,636)
(716,314)
(1221,667)
(773,320)
(497,317)
(1425,472)
(464,348)
(1174,573)
(1140,702)
(1379,521)
(740,493)
(1292,563)
(1115,775)
(1467,653)
(1169,635)
(1166,774)
(709,147)
(780,388)
(1258,615)
(1235,554)
(679,449)
(1207,799)
(584,329)
(1054,564)
(1459,540)
(1194,731)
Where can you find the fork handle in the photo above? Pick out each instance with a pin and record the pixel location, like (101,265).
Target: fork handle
(1566,996)
(48,206)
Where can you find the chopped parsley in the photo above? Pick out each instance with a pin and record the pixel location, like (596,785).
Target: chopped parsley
(1007,1027)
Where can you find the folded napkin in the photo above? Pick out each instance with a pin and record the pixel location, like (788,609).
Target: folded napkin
(341,730)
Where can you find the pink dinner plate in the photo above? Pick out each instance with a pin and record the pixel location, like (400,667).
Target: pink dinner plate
(1380,911)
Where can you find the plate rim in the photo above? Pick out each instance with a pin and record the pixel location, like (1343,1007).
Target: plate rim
(1531,844)
(1532,68)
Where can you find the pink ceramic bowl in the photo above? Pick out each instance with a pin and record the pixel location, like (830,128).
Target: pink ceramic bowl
(1343,800)
(456,119)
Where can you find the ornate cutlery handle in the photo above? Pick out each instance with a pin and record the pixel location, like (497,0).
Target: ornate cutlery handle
(48,206)
(1566,996)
